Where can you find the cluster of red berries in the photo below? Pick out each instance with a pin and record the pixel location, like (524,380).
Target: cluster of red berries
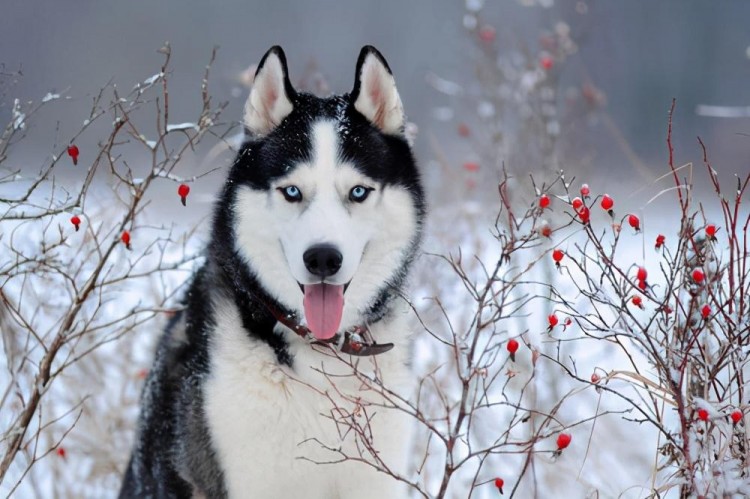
(584,212)
(735,416)
(641,277)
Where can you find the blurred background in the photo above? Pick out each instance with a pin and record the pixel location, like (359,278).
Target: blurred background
(635,55)
(534,86)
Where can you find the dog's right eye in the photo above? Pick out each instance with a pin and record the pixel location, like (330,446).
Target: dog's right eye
(291,193)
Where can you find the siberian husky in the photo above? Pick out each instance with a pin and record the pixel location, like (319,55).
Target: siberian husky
(285,375)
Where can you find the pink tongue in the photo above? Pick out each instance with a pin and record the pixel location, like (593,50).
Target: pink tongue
(324,305)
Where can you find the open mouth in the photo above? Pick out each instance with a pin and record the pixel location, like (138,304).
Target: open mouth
(324,307)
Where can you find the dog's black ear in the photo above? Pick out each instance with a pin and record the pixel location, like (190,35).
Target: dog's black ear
(271,97)
(375,95)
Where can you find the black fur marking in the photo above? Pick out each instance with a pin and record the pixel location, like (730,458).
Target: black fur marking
(162,465)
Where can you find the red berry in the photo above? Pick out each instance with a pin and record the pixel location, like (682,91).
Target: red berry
(659,241)
(544,201)
(183,190)
(545,230)
(698,275)
(464,130)
(584,214)
(711,231)
(642,285)
(73,153)
(634,222)
(563,440)
(595,378)
(568,322)
(577,203)
(546,62)
(557,256)
(125,238)
(585,191)
(499,482)
(471,166)
(607,202)
(552,319)
(512,346)
(487,33)
(703,414)
(642,274)
(76,221)
(706,311)
(61,452)
(637,301)
(736,416)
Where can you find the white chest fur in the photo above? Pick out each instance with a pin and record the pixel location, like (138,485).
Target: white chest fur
(271,424)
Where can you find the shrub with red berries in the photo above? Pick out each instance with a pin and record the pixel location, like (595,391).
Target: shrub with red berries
(687,317)
(72,302)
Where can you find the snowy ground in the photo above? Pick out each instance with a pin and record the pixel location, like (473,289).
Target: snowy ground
(609,455)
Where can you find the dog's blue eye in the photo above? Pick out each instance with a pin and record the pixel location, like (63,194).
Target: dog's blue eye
(291,193)
(359,193)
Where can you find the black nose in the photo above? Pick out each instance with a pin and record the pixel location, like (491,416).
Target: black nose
(323,260)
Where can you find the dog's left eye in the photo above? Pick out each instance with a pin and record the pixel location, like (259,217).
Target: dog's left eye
(291,193)
(359,193)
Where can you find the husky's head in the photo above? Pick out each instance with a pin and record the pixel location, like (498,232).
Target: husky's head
(325,200)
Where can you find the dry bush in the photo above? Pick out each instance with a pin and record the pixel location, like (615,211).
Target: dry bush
(81,270)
